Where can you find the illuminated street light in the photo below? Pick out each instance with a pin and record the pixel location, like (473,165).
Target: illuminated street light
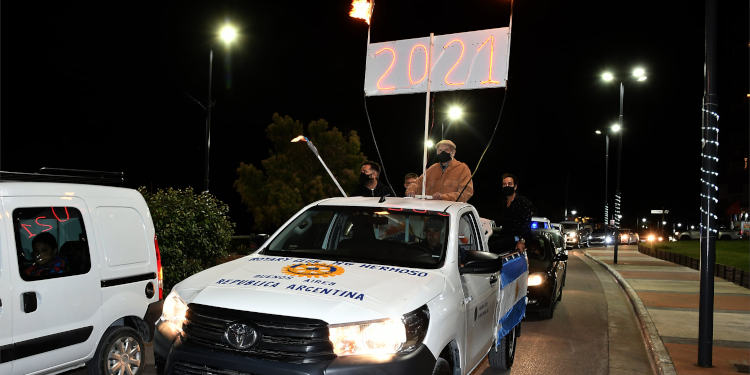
(615,128)
(227,34)
(455,112)
(429,143)
(679,225)
(643,220)
(639,74)
(573,212)
(598,132)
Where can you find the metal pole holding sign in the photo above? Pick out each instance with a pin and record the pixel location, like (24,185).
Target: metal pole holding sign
(426,120)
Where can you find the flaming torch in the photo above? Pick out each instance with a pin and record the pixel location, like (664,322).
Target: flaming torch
(315,151)
(361,9)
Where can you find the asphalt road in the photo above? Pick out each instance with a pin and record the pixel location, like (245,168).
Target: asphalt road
(592,326)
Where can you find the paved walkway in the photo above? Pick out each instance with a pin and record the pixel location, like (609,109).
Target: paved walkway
(665,296)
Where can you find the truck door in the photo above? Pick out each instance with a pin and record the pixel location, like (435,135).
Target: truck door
(57,295)
(480,295)
(6,290)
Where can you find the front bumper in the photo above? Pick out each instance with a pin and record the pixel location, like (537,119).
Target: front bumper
(186,358)
(539,297)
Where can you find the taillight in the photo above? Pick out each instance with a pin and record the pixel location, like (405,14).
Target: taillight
(159,272)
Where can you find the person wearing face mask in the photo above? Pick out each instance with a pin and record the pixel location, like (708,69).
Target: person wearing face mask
(369,184)
(515,212)
(445,179)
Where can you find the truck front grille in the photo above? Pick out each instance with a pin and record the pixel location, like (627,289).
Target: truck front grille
(280,338)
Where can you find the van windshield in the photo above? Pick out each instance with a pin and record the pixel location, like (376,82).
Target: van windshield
(393,236)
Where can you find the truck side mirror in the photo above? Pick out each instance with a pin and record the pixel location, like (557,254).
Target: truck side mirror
(474,261)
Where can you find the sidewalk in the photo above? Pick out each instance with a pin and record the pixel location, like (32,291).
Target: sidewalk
(665,296)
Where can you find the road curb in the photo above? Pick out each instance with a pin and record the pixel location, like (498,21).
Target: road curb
(662,361)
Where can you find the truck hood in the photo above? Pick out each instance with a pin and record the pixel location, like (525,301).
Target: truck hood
(332,291)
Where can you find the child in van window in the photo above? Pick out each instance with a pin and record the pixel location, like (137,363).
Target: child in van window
(44,255)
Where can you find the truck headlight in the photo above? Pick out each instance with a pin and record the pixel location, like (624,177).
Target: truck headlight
(174,310)
(381,337)
(536,278)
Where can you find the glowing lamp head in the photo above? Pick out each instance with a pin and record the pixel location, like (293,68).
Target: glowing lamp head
(429,143)
(615,128)
(228,34)
(598,131)
(361,9)
(455,112)
(299,138)
(639,74)
(608,76)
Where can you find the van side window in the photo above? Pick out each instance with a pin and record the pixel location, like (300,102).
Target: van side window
(50,242)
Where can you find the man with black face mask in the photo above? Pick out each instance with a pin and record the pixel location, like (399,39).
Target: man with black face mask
(515,213)
(446,178)
(369,185)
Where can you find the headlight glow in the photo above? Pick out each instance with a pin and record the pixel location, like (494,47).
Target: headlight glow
(608,239)
(536,279)
(651,238)
(374,338)
(381,338)
(174,310)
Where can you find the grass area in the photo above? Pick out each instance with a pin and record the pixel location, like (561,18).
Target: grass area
(735,253)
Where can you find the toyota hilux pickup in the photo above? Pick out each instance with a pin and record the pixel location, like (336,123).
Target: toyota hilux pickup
(351,286)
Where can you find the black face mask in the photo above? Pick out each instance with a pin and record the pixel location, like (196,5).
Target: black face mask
(364,178)
(443,157)
(508,190)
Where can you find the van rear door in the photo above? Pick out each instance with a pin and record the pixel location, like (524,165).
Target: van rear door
(56,303)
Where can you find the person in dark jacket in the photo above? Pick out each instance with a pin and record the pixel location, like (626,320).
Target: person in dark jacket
(369,182)
(515,212)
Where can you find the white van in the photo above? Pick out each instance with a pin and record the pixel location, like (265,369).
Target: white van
(353,286)
(79,269)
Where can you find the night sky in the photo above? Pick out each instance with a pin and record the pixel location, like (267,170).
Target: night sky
(107,86)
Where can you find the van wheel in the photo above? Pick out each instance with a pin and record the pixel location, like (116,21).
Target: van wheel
(120,351)
(442,367)
(501,356)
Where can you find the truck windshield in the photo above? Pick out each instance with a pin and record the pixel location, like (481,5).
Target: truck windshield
(393,236)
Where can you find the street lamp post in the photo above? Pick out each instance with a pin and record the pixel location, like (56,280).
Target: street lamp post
(639,74)
(227,34)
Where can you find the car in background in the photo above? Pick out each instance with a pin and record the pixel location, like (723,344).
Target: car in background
(602,237)
(574,234)
(687,234)
(628,237)
(548,264)
(538,222)
(728,234)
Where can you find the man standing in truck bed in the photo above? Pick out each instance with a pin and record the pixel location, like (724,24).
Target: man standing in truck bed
(446,178)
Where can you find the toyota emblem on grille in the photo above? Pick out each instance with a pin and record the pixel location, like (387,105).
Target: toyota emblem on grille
(240,335)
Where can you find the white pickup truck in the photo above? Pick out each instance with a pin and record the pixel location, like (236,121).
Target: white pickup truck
(351,286)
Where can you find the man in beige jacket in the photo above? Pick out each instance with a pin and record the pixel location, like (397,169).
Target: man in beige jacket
(446,178)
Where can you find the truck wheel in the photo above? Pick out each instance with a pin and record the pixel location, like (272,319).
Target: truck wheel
(501,356)
(120,351)
(442,367)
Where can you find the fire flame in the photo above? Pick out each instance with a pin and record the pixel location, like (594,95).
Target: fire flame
(361,9)
(299,138)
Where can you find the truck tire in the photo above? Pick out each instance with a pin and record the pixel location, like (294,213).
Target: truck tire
(442,367)
(501,356)
(120,346)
